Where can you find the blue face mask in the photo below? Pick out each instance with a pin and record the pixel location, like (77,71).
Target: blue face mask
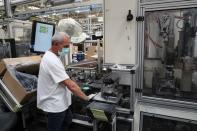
(64,51)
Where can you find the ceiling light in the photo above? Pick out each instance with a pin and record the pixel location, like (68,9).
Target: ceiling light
(33,8)
(77,11)
(100,19)
(91,16)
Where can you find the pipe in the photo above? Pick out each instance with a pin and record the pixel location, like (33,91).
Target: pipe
(60,2)
(22,2)
(124,119)
(8,11)
(18,2)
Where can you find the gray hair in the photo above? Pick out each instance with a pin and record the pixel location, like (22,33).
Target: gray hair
(59,37)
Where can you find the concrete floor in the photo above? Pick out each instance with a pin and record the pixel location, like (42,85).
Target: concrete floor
(74,127)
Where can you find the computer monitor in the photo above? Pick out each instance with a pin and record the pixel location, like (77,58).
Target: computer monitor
(42,33)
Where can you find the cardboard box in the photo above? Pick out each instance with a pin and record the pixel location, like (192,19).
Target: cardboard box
(29,65)
(2,68)
(17,61)
(92,50)
(74,49)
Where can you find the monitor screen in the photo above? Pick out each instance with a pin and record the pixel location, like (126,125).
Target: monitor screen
(41,36)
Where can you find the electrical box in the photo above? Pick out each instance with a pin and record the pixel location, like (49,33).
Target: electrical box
(119,37)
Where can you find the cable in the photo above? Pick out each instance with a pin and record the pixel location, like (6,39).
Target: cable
(153,42)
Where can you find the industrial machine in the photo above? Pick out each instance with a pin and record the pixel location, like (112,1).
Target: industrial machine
(167,66)
(165,35)
(170,54)
(109,90)
(109,86)
(117,90)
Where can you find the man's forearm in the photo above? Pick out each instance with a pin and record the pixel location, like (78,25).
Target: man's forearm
(78,92)
(75,89)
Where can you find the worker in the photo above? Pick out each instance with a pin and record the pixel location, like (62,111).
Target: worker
(55,87)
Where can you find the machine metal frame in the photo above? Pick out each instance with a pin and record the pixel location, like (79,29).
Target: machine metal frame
(164,117)
(8,98)
(133,72)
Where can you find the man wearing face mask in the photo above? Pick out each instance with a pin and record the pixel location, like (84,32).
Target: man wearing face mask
(55,87)
(65,56)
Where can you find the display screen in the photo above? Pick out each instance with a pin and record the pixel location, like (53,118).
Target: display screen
(41,36)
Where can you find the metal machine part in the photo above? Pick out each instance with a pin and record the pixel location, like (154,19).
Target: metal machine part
(86,76)
(20,32)
(115,93)
(102,112)
(4,50)
(22,50)
(111,79)
(109,90)
(7,48)
(106,86)
(8,10)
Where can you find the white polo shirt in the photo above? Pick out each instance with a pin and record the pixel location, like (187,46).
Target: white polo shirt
(51,95)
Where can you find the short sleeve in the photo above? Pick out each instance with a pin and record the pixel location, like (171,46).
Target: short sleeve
(57,71)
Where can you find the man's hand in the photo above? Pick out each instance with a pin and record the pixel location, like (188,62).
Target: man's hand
(91,96)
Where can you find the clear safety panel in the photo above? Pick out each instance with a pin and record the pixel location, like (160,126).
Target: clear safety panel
(151,122)
(170,54)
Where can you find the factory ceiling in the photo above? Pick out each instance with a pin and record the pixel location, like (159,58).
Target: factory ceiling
(52,9)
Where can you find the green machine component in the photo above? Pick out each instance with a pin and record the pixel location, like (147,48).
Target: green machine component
(102,111)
